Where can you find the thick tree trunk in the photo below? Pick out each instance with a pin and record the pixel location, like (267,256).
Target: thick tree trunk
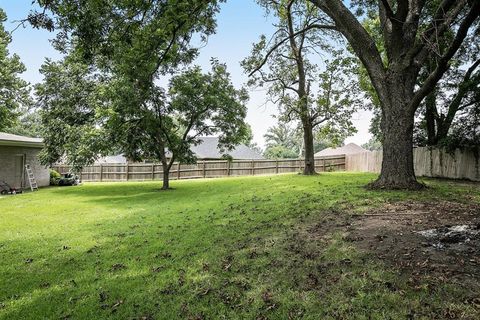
(166,163)
(166,176)
(397,128)
(309,168)
(166,179)
(166,166)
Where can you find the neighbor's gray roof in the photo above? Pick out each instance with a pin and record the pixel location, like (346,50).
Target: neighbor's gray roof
(350,148)
(7,139)
(208,149)
(112,159)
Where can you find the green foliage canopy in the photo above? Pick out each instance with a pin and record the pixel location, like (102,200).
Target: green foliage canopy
(14,91)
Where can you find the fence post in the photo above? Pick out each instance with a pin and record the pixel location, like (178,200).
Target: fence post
(228,168)
(127,169)
(253,167)
(276,166)
(178,170)
(101,172)
(204,170)
(153,171)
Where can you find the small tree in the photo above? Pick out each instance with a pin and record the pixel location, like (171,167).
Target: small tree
(86,115)
(373,144)
(167,124)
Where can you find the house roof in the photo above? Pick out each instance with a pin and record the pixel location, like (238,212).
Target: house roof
(7,139)
(350,148)
(208,149)
(119,158)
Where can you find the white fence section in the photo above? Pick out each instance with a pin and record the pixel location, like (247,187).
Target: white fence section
(428,162)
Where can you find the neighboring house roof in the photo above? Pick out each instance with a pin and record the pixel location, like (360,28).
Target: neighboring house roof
(7,139)
(208,149)
(350,148)
(112,159)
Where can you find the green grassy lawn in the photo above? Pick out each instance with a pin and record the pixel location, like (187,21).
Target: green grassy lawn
(219,248)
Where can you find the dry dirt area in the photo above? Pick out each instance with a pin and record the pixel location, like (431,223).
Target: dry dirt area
(438,240)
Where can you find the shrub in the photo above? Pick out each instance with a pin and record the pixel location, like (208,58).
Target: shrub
(54,177)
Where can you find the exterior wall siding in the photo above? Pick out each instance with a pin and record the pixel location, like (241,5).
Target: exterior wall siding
(7,165)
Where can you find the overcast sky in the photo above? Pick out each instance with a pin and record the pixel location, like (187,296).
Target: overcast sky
(240,24)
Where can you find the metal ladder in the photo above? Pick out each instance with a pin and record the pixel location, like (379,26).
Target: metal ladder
(31,178)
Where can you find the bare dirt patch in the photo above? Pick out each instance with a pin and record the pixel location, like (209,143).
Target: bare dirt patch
(439,240)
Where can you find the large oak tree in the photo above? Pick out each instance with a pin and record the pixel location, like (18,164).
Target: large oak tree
(442,118)
(411,31)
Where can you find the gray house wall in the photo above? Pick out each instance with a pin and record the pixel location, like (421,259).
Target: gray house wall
(9,165)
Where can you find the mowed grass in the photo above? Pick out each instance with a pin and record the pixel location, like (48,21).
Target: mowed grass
(209,249)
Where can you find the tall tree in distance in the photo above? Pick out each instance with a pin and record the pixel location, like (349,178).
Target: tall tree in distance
(28,122)
(14,91)
(284,65)
(373,144)
(282,141)
(286,141)
(411,31)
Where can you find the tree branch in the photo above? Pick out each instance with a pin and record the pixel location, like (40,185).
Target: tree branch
(442,65)
(388,10)
(277,45)
(445,14)
(360,40)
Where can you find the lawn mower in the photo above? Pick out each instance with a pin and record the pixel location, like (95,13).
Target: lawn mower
(68,179)
(6,189)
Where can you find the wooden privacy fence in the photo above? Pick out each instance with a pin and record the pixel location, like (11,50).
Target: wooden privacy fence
(202,169)
(428,162)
